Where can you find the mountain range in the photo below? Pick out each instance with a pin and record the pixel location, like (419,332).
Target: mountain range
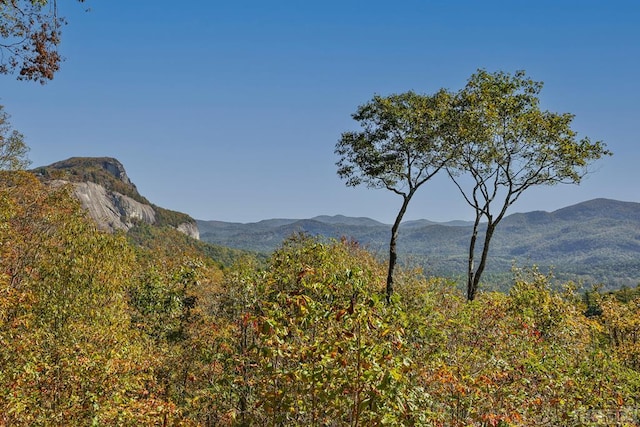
(597,241)
(594,242)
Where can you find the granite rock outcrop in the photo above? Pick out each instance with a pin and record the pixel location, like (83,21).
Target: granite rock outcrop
(110,198)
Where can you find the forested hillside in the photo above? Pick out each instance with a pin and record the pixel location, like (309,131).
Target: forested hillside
(95,330)
(592,242)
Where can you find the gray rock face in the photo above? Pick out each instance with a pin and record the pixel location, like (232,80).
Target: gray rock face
(115,168)
(111,199)
(190,229)
(111,210)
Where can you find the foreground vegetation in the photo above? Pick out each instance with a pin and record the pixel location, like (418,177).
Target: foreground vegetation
(97,331)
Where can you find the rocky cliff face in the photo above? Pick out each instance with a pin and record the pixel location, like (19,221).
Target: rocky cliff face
(112,210)
(111,199)
(190,229)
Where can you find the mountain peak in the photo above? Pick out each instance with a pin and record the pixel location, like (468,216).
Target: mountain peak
(110,165)
(107,193)
(105,171)
(345,220)
(604,208)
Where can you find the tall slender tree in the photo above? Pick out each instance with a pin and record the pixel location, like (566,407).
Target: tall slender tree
(401,146)
(508,145)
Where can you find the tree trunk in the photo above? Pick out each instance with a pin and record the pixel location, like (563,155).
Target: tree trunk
(473,284)
(470,267)
(393,255)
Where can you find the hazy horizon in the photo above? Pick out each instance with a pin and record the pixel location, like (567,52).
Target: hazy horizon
(232,111)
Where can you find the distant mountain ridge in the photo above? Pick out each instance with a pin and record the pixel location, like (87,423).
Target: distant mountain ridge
(594,241)
(597,241)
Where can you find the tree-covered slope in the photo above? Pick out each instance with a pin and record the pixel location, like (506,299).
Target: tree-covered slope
(594,241)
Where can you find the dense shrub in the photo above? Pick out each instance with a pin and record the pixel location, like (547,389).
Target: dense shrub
(96,332)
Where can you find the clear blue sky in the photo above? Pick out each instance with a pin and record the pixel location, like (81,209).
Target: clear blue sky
(231,110)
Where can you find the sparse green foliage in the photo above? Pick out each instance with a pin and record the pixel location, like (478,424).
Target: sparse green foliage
(169,241)
(492,137)
(508,145)
(403,144)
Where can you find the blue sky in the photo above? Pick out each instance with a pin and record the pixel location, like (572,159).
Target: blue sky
(231,110)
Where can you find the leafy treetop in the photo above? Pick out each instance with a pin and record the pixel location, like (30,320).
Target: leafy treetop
(508,144)
(403,144)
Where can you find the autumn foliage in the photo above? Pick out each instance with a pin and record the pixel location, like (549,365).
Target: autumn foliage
(30,34)
(97,331)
